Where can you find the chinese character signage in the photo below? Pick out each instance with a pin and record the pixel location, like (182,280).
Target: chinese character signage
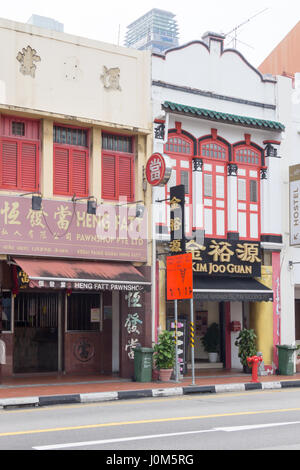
(133,323)
(226,258)
(294,173)
(64,229)
(179,277)
(177,200)
(158,170)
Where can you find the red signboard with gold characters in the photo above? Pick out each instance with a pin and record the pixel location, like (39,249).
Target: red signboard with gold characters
(180,277)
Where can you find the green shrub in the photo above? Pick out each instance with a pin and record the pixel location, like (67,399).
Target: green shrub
(164,351)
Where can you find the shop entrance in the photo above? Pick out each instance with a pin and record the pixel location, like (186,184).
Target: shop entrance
(206,313)
(35,332)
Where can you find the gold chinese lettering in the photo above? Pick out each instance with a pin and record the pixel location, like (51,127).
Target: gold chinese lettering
(195,249)
(62,212)
(35,218)
(174,203)
(248,252)
(11,214)
(175,246)
(175,224)
(221,251)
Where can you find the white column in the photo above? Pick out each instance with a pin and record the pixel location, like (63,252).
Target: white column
(198,216)
(232,219)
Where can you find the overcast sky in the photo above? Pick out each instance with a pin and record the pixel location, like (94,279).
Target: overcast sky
(107,20)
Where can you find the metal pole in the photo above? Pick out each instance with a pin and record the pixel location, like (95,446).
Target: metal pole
(153,272)
(192,341)
(176,345)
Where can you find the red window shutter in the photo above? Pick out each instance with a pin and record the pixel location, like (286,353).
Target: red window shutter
(9,164)
(28,166)
(109,176)
(125,177)
(61,170)
(79,172)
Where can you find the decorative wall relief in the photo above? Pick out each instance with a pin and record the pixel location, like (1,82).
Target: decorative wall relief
(84,350)
(27,59)
(111,78)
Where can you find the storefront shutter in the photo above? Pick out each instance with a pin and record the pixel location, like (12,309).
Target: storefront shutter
(125,177)
(79,172)
(61,170)
(109,176)
(9,164)
(28,166)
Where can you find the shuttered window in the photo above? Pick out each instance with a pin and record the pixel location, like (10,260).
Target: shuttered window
(117,176)
(117,168)
(19,164)
(248,160)
(214,155)
(70,171)
(71,160)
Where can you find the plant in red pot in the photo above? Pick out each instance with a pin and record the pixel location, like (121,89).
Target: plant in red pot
(164,355)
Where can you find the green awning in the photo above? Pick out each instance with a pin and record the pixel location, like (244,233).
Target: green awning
(223,117)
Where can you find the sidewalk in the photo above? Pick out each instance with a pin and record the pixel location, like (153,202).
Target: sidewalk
(44,390)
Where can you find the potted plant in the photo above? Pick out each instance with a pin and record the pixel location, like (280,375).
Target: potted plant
(211,342)
(164,355)
(246,343)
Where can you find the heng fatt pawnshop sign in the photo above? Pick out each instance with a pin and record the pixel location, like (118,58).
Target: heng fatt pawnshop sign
(217,257)
(65,229)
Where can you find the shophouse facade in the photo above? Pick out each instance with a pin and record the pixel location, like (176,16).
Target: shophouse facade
(75,122)
(284,61)
(216,120)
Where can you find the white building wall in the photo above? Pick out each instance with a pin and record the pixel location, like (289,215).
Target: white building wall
(67,78)
(289,111)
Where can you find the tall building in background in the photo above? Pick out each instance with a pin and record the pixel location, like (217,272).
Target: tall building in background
(45,22)
(156,30)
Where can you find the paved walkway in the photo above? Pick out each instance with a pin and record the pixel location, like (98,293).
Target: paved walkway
(55,389)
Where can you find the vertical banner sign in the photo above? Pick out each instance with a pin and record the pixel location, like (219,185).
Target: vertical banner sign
(180,277)
(294,183)
(177,200)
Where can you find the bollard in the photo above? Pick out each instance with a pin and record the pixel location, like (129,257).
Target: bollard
(254,361)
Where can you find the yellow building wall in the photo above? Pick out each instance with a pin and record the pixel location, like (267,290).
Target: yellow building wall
(261,319)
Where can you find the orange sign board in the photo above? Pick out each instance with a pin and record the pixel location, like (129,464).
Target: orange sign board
(180,277)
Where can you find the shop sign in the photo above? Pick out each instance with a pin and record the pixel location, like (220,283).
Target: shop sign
(219,257)
(179,277)
(133,323)
(177,221)
(294,182)
(158,169)
(25,282)
(64,229)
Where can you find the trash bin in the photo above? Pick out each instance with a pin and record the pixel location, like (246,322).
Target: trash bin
(143,364)
(286,359)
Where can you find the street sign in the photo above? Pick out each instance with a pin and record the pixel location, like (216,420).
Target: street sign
(180,277)
(177,219)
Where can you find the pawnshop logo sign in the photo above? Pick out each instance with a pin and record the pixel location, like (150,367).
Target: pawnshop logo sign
(65,229)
